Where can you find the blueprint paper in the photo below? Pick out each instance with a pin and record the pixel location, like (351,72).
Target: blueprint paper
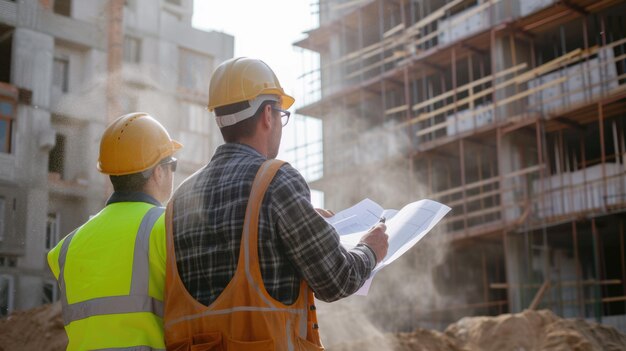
(358,218)
(405,227)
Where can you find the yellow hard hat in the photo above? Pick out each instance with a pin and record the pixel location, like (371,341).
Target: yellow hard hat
(244,79)
(134,143)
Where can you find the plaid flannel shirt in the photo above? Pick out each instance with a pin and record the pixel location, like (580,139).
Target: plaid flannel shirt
(295,242)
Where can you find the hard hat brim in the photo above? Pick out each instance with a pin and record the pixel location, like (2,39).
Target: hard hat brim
(287,101)
(176,146)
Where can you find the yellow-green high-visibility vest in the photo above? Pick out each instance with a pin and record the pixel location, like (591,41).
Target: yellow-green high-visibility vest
(111,275)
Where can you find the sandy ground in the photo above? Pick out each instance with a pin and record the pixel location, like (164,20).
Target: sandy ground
(38,329)
(42,329)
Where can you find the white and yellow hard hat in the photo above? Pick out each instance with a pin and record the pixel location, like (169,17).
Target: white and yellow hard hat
(244,79)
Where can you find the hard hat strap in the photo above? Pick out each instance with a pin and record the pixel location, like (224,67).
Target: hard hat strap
(233,118)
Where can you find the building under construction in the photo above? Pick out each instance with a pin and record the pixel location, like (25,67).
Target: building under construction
(67,68)
(513,113)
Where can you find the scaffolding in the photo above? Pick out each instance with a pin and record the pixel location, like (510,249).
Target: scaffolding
(514,115)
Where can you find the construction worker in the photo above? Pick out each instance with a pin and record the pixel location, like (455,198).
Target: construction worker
(246,248)
(111,270)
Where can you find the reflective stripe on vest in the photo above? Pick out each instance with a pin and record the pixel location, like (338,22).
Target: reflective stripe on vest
(132,348)
(138,300)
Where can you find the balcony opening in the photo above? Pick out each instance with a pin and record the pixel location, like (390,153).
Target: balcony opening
(52,230)
(584,173)
(56,160)
(49,292)
(60,74)
(6,45)
(132,49)
(193,69)
(7,291)
(2,217)
(580,66)
(63,7)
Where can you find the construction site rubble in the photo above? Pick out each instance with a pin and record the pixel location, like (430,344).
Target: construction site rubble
(42,329)
(525,331)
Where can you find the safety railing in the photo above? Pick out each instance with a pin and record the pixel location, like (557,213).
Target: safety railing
(395,41)
(577,78)
(525,197)
(596,188)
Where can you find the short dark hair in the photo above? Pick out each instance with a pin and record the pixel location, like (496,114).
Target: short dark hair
(245,128)
(129,182)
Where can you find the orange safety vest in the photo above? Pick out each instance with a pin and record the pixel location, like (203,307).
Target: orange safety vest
(244,316)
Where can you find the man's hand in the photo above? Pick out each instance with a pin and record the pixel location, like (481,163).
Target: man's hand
(325,213)
(377,240)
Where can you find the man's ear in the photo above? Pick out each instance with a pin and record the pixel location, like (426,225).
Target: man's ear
(157,174)
(266,116)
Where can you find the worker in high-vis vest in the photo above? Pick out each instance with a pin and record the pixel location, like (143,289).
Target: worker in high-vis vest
(111,270)
(246,250)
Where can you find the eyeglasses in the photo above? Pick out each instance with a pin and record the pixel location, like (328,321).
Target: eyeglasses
(284,115)
(172,162)
(169,161)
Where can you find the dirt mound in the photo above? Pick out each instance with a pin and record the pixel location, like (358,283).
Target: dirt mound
(40,328)
(534,330)
(528,331)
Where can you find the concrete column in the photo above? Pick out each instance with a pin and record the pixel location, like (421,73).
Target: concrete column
(514,271)
(32,64)
(509,163)
(32,69)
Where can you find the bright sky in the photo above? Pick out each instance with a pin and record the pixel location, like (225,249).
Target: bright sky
(262,29)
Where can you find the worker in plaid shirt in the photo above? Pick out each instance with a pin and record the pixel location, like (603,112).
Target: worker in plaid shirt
(295,242)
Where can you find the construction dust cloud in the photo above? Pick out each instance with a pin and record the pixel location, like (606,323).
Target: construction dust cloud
(405,289)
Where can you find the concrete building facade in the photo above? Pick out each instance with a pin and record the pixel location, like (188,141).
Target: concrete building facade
(54,71)
(511,112)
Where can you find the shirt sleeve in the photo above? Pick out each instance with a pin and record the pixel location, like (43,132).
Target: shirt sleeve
(312,245)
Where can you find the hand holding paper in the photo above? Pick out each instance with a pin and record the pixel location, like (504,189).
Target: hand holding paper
(377,240)
(405,227)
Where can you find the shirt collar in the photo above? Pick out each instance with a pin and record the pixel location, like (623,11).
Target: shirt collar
(132,196)
(237,148)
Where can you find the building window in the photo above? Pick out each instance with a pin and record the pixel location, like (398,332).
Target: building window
(56,158)
(63,7)
(194,71)
(6,295)
(302,146)
(50,292)
(60,75)
(8,261)
(197,120)
(52,230)
(2,217)
(7,110)
(194,129)
(6,48)
(132,49)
